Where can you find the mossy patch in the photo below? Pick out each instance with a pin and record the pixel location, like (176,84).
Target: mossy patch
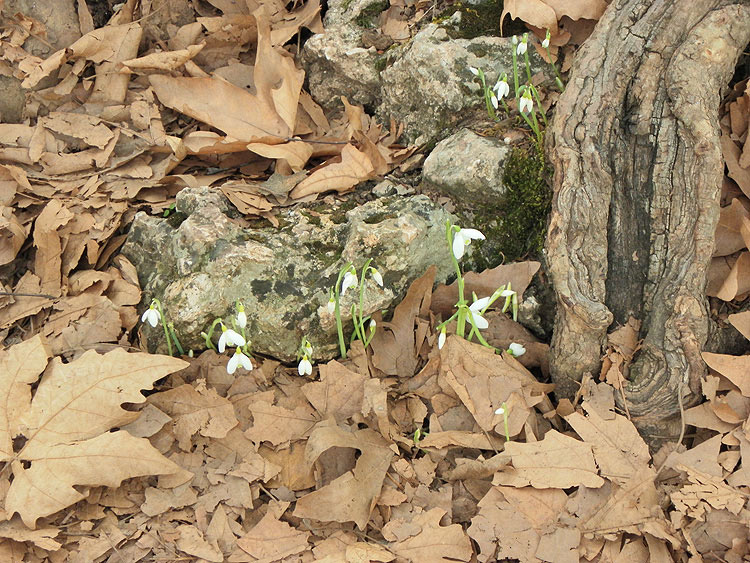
(518,223)
(367,18)
(526,204)
(476,21)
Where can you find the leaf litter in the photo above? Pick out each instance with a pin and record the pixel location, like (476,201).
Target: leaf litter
(397,454)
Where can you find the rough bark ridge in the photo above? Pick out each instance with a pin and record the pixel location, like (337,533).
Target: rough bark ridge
(638,169)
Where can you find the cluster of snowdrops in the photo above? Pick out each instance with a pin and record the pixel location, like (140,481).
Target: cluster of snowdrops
(235,335)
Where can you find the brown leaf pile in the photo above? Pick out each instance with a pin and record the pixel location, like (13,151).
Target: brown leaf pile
(366,463)
(118,121)
(729,274)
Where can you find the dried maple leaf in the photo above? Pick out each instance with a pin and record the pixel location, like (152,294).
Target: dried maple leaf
(67,424)
(427,540)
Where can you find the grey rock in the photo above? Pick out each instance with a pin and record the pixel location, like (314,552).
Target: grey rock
(430,88)
(336,63)
(198,262)
(468,167)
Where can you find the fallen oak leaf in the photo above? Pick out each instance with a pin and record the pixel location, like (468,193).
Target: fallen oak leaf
(355,167)
(67,425)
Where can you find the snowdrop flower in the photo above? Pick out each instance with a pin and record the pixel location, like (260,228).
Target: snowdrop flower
(229,338)
(476,317)
(545,43)
(514,40)
(304,367)
(239,359)
(441,338)
(501,87)
(151,315)
(241,316)
(462,239)
(516,349)
(307,349)
(350,280)
(526,104)
(373,324)
(376,276)
(523,45)
(493,99)
(331,306)
(501,410)
(474,71)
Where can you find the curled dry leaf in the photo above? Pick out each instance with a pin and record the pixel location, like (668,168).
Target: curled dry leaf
(67,424)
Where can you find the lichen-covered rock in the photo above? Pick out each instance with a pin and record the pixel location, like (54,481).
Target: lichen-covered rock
(430,88)
(337,63)
(468,167)
(200,261)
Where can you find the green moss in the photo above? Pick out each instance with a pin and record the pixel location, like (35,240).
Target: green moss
(524,209)
(476,21)
(367,17)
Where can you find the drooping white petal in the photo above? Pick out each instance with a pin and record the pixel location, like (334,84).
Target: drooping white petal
(376,276)
(545,43)
(479,304)
(331,306)
(152,316)
(501,410)
(459,245)
(441,339)
(526,104)
(475,316)
(229,338)
(493,100)
(516,349)
(304,367)
(242,319)
(472,234)
(474,71)
(350,280)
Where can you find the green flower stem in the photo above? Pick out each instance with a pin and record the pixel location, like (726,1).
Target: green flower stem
(337,311)
(362,282)
(515,70)
(209,335)
(163,324)
(535,93)
(505,421)
(462,304)
(173,334)
(558,78)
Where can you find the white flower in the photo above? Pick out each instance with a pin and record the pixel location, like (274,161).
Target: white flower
(476,317)
(514,40)
(501,87)
(373,324)
(493,100)
(474,71)
(229,338)
(331,306)
(501,410)
(241,316)
(151,315)
(507,293)
(239,359)
(376,276)
(463,238)
(308,349)
(441,338)
(526,104)
(523,45)
(350,280)
(545,43)
(516,349)
(304,367)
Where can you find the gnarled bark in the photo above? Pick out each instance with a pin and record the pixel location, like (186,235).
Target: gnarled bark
(638,170)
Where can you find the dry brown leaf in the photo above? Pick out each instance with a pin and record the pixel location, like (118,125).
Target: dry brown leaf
(619,450)
(339,394)
(196,410)
(741,321)
(395,351)
(278,425)
(737,281)
(518,274)
(272,540)
(534,12)
(350,497)
(354,167)
(735,368)
(67,426)
(729,229)
(557,461)
(427,540)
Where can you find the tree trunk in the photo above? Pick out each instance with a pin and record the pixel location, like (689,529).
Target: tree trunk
(638,171)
